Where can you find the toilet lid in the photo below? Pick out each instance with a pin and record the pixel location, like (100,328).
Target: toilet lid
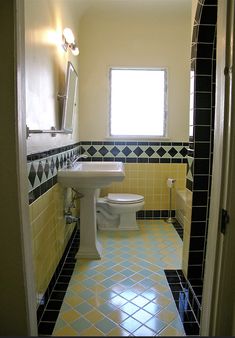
(125,198)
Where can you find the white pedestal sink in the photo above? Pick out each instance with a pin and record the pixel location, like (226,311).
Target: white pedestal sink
(87,177)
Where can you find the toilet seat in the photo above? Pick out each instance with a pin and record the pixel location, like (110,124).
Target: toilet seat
(124,198)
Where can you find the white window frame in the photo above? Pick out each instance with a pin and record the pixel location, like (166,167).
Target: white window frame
(165,117)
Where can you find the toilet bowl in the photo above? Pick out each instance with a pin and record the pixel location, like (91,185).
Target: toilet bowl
(118,211)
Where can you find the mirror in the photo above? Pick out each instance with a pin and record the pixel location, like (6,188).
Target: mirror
(69,102)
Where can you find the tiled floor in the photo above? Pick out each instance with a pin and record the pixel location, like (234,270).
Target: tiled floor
(186,301)
(125,293)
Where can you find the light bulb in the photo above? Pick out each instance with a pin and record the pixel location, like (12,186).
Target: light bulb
(68,34)
(75,51)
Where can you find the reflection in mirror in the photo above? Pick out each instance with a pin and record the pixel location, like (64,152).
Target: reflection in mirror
(69,105)
(69,102)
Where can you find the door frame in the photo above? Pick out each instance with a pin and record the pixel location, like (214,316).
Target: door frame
(27,254)
(220,256)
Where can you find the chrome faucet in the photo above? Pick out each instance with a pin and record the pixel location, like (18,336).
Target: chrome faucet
(70,162)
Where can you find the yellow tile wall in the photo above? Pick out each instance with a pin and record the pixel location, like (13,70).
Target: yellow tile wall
(150,180)
(50,234)
(187,231)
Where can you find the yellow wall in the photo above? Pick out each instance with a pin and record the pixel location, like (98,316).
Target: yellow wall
(50,235)
(45,69)
(121,36)
(45,66)
(149,180)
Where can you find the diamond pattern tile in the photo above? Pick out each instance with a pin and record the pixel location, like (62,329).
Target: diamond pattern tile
(172,152)
(126,292)
(103,151)
(61,162)
(138,151)
(149,151)
(115,151)
(133,150)
(183,152)
(40,171)
(91,151)
(126,151)
(161,151)
(52,166)
(32,174)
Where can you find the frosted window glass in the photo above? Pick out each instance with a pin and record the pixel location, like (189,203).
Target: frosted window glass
(138,102)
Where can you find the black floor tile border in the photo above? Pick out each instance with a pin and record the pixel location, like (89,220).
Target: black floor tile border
(48,310)
(178,227)
(186,301)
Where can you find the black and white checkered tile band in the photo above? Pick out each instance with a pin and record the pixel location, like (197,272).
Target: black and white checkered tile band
(43,167)
(137,152)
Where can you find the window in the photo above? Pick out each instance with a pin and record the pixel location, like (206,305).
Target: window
(138,102)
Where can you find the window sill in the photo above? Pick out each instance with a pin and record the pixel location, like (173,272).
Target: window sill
(138,138)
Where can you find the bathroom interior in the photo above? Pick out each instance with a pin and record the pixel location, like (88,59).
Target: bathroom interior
(148,280)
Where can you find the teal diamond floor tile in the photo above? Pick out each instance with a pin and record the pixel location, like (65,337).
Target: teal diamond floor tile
(128,294)
(86,294)
(89,282)
(140,301)
(155,247)
(126,263)
(129,308)
(127,282)
(152,308)
(155,324)
(105,325)
(108,294)
(108,282)
(106,308)
(142,316)
(109,272)
(127,272)
(143,331)
(81,324)
(147,282)
(83,308)
(130,324)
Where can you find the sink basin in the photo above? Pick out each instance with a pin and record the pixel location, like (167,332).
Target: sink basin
(91,174)
(86,178)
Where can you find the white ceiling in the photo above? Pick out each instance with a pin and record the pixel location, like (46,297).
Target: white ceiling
(81,6)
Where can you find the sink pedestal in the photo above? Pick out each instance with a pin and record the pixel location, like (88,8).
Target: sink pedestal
(87,177)
(90,247)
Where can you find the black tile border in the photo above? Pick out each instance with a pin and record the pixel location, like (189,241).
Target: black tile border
(138,160)
(154,214)
(187,302)
(48,310)
(178,227)
(51,152)
(203,62)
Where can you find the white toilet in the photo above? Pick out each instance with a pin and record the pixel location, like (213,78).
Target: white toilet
(118,211)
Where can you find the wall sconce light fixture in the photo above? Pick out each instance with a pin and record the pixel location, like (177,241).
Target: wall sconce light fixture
(69,41)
